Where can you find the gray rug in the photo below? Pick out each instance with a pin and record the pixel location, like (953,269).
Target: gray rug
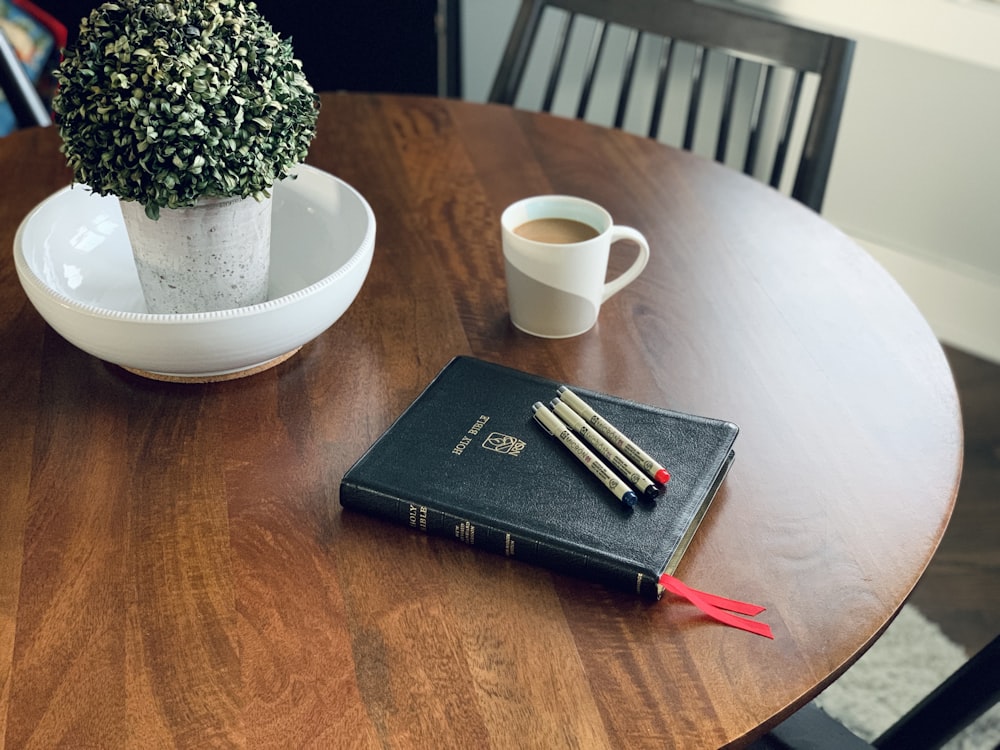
(911,658)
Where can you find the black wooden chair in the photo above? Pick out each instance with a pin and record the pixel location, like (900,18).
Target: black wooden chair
(950,708)
(747,71)
(961,699)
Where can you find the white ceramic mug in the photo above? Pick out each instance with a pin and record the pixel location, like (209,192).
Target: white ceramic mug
(556,274)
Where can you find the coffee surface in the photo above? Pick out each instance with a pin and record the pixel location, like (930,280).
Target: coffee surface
(556,231)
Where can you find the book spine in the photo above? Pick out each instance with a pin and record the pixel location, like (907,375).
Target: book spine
(441,523)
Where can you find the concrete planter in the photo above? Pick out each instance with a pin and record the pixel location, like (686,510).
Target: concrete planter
(214,255)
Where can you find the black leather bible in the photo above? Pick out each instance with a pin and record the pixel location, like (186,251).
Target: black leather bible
(467,460)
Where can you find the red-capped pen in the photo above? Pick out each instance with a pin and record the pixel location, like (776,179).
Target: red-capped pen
(634,453)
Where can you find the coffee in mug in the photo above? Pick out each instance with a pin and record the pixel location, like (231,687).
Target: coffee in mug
(556,250)
(556,231)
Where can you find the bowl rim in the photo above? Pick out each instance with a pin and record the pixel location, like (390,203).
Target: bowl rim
(27,272)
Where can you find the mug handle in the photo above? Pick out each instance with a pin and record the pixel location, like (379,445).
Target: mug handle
(628,234)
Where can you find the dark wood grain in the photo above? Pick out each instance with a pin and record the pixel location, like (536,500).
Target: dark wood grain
(175,569)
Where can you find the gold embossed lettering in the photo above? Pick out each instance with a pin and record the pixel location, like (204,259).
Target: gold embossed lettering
(466,532)
(480,424)
(457,450)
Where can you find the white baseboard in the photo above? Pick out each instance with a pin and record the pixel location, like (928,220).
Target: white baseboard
(963,309)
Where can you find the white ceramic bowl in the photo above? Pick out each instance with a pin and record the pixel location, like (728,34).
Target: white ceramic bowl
(74,261)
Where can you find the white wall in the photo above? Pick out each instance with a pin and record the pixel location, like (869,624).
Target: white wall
(916,175)
(485,26)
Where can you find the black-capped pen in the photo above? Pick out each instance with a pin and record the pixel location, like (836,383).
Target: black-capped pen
(558,429)
(634,453)
(619,462)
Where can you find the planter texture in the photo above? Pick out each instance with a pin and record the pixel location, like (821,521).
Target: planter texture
(214,255)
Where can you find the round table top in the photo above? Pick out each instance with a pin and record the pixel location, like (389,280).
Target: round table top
(175,568)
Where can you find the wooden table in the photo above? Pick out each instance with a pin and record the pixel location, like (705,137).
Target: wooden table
(175,568)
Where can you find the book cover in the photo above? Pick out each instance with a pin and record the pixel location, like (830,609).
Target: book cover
(467,460)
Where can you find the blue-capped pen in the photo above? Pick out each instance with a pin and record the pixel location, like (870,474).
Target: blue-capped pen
(558,429)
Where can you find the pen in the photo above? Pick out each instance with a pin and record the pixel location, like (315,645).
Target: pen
(627,469)
(636,454)
(555,427)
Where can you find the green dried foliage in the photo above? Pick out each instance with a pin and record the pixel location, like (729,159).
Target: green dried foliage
(167,102)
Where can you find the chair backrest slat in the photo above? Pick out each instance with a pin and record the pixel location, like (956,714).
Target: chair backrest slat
(694,98)
(628,75)
(787,123)
(660,96)
(597,41)
(728,101)
(762,95)
(741,37)
(558,60)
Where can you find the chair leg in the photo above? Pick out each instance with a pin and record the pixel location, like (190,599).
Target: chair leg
(955,704)
(810,728)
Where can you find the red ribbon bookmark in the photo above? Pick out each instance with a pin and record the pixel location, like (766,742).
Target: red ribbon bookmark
(716,607)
